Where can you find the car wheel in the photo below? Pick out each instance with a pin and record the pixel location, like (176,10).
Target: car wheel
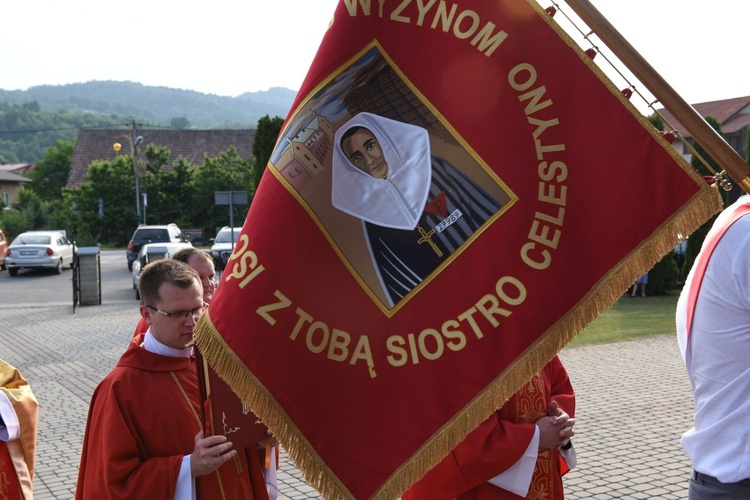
(58,268)
(12,271)
(137,294)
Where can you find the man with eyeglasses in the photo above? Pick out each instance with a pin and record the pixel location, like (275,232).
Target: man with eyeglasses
(143,435)
(203,263)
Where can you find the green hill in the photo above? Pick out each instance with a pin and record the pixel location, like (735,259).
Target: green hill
(34,119)
(156,104)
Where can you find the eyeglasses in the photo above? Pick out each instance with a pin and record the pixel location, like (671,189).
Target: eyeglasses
(195,313)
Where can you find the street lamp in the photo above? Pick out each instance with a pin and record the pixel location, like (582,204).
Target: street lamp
(134,142)
(136,172)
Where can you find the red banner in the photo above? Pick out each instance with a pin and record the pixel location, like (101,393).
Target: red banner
(457,192)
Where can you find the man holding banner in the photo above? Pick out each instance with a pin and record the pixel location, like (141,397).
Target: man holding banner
(713,331)
(144,437)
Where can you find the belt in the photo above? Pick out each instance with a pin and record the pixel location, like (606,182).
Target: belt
(710,479)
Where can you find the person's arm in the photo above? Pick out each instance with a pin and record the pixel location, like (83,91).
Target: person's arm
(517,478)
(493,447)
(564,398)
(18,407)
(561,390)
(185,489)
(9,426)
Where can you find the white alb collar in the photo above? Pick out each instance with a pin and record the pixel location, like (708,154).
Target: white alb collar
(152,345)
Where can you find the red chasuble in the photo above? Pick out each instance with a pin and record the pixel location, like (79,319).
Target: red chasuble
(499,442)
(10,488)
(142,421)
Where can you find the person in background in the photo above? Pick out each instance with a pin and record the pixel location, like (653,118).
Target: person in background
(201,261)
(640,282)
(18,423)
(144,436)
(520,451)
(713,333)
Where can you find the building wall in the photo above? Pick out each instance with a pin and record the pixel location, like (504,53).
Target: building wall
(9,192)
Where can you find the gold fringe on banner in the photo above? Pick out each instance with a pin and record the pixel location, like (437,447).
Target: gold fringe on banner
(606,292)
(252,392)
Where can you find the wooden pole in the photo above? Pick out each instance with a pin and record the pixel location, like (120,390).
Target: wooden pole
(698,128)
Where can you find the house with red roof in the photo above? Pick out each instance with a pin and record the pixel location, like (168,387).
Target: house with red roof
(193,145)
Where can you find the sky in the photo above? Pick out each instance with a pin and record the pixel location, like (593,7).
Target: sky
(229,47)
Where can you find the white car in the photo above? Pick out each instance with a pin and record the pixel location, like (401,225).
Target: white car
(40,250)
(150,253)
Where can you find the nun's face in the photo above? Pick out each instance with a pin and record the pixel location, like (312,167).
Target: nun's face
(363,151)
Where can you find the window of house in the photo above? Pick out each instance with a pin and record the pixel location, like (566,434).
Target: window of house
(734,141)
(6,199)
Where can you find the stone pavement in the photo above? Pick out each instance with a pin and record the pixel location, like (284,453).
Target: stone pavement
(634,402)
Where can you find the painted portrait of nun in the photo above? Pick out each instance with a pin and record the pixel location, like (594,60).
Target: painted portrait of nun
(416,209)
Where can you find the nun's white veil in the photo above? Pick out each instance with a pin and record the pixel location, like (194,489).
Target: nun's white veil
(398,200)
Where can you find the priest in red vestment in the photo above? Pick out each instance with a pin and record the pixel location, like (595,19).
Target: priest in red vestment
(143,435)
(521,451)
(18,422)
(203,263)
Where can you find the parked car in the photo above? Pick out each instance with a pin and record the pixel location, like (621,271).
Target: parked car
(144,234)
(40,250)
(221,247)
(3,249)
(151,252)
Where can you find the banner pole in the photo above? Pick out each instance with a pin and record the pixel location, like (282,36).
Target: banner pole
(699,129)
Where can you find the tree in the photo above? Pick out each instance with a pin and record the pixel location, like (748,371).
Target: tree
(113,183)
(51,173)
(183,195)
(266,134)
(33,210)
(180,123)
(226,172)
(663,277)
(171,194)
(656,121)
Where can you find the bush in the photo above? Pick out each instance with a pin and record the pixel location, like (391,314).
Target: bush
(13,223)
(663,277)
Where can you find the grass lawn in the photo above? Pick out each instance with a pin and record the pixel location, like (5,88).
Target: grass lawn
(631,318)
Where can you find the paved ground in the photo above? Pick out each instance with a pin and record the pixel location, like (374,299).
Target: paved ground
(634,401)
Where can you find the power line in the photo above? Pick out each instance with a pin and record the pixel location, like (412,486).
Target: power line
(95,127)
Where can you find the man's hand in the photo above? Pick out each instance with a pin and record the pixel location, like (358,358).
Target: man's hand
(209,454)
(556,429)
